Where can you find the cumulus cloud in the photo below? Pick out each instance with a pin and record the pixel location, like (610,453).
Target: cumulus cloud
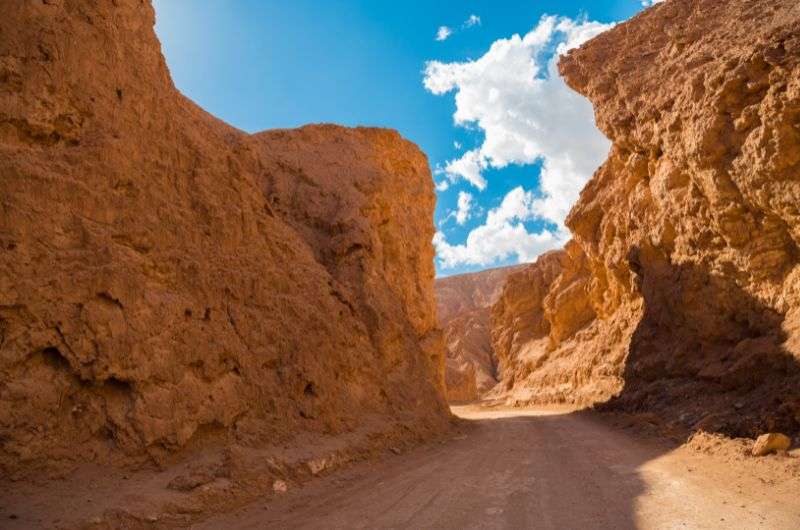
(468,167)
(526,111)
(442,185)
(648,3)
(514,94)
(502,236)
(464,206)
(443,33)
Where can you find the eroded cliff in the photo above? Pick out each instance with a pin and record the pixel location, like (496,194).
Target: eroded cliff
(551,346)
(167,280)
(683,281)
(463,304)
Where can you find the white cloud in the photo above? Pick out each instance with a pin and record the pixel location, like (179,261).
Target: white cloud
(468,167)
(457,145)
(648,3)
(514,94)
(473,20)
(443,32)
(526,112)
(442,185)
(502,236)
(464,206)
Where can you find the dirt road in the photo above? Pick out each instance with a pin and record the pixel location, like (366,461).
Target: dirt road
(533,469)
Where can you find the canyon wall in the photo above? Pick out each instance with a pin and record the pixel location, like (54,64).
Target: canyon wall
(166,279)
(683,273)
(550,345)
(463,304)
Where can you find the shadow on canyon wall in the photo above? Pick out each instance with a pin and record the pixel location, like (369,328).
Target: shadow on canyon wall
(707,355)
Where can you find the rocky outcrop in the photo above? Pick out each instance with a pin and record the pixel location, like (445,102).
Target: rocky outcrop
(463,305)
(689,234)
(550,345)
(167,280)
(517,319)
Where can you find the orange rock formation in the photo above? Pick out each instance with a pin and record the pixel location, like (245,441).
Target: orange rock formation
(681,291)
(463,304)
(167,279)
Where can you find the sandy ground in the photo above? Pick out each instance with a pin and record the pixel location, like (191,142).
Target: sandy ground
(535,468)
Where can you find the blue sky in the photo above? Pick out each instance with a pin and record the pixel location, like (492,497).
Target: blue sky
(262,64)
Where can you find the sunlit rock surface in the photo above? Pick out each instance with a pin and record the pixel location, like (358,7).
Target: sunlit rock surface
(681,294)
(167,279)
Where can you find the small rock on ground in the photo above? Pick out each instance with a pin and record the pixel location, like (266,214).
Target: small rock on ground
(771,442)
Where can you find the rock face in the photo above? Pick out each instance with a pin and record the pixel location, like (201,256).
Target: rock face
(167,279)
(460,380)
(686,241)
(463,305)
(550,345)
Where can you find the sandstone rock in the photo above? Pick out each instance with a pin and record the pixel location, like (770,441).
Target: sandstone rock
(550,346)
(683,283)
(165,277)
(463,306)
(703,117)
(770,443)
(280,486)
(517,319)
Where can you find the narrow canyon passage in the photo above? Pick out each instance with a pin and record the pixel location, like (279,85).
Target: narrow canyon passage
(208,320)
(532,468)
